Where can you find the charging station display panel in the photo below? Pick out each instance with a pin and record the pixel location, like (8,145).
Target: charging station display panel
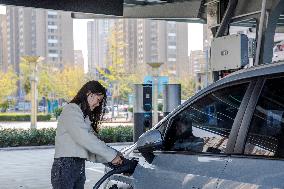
(147,97)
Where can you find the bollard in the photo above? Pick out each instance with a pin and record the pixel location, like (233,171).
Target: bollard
(172,97)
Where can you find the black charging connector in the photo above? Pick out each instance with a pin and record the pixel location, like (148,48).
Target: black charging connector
(127,167)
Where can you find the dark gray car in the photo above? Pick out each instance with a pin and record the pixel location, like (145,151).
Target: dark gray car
(229,135)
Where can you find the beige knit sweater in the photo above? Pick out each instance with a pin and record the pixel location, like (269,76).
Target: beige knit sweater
(75,138)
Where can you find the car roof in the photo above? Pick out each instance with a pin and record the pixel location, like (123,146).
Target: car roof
(255,71)
(247,73)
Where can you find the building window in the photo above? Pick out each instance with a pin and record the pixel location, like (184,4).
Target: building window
(51,23)
(52,55)
(171,47)
(52,37)
(52,51)
(52,41)
(52,16)
(52,12)
(52,44)
(54,27)
(172,59)
(51,30)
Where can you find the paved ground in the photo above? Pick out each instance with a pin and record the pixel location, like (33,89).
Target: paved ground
(30,169)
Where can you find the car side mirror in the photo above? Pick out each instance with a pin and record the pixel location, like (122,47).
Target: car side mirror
(148,142)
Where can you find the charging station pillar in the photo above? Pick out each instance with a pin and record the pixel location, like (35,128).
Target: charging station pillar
(172,97)
(142,109)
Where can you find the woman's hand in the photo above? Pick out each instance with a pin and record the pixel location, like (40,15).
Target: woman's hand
(117,160)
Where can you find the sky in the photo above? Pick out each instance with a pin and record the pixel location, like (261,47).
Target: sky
(80,38)
(2,9)
(195,37)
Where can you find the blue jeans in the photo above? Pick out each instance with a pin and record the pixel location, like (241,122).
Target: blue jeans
(68,173)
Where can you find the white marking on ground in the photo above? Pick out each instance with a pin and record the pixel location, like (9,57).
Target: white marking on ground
(96,170)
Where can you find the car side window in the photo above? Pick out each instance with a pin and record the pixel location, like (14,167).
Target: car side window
(205,125)
(266,133)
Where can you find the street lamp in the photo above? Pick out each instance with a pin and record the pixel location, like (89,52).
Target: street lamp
(33,61)
(155,73)
(114,95)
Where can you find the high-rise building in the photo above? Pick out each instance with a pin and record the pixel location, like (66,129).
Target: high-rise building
(78,59)
(198,68)
(151,42)
(97,39)
(139,41)
(3,43)
(59,35)
(125,33)
(162,41)
(130,46)
(182,49)
(38,32)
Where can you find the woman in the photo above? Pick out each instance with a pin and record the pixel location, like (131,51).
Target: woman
(76,139)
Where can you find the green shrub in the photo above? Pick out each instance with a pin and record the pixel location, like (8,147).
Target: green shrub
(160,107)
(23,117)
(31,137)
(130,109)
(38,137)
(46,117)
(4,106)
(57,112)
(116,134)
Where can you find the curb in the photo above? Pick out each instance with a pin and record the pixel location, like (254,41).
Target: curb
(26,148)
(52,146)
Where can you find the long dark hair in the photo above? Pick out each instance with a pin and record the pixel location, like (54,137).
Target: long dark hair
(80,99)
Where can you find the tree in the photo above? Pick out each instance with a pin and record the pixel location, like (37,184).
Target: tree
(68,81)
(8,86)
(187,87)
(25,72)
(115,72)
(58,83)
(44,75)
(46,80)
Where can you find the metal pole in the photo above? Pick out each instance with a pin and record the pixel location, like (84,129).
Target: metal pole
(155,97)
(33,61)
(112,106)
(112,99)
(207,62)
(34,98)
(227,18)
(260,30)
